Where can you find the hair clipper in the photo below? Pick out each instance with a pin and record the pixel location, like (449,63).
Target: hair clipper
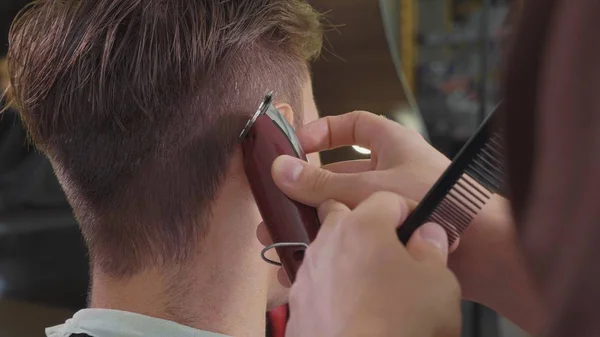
(292,225)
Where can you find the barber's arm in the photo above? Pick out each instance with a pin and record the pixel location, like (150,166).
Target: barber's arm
(358,280)
(487,263)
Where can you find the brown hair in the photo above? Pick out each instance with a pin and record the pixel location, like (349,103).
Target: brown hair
(553,114)
(138,105)
(4,79)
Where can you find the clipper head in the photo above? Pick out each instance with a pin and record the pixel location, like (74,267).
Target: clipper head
(267,108)
(262,109)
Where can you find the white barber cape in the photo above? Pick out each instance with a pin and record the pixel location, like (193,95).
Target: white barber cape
(115,323)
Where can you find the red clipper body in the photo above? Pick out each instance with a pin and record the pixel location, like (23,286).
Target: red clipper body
(292,225)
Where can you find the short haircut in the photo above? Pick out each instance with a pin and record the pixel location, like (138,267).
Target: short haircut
(138,104)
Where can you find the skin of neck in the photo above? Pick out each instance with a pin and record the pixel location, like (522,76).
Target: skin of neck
(224,289)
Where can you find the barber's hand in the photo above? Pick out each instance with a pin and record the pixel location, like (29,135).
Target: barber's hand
(401,161)
(488,263)
(357,279)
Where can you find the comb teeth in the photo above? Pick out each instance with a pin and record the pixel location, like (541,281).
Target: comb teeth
(477,173)
(487,168)
(482,178)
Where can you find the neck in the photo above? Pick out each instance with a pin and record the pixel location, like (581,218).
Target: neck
(223,290)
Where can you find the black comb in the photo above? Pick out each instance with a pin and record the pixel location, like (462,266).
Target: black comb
(476,173)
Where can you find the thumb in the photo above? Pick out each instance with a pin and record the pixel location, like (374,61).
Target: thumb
(429,244)
(312,185)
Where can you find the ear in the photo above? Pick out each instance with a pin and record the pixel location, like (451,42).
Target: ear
(287,112)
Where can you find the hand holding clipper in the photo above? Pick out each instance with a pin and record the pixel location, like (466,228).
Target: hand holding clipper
(292,225)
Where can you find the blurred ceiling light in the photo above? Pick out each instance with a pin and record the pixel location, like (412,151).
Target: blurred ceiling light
(361,150)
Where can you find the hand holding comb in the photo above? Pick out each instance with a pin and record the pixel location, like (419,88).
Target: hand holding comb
(475,174)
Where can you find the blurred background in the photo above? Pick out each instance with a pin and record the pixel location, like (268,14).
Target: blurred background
(432,65)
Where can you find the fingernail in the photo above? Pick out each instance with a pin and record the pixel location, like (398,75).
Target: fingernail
(435,234)
(288,168)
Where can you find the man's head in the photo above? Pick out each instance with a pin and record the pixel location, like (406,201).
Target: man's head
(138,104)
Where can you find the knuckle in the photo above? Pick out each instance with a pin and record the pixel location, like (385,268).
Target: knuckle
(351,227)
(386,196)
(362,116)
(359,113)
(357,233)
(392,201)
(330,213)
(455,285)
(351,238)
(366,117)
(320,180)
(329,119)
(411,205)
(451,286)
(328,205)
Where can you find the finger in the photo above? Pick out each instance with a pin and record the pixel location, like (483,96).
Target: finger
(350,166)
(330,214)
(429,244)
(355,128)
(379,216)
(454,245)
(411,204)
(332,209)
(312,185)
